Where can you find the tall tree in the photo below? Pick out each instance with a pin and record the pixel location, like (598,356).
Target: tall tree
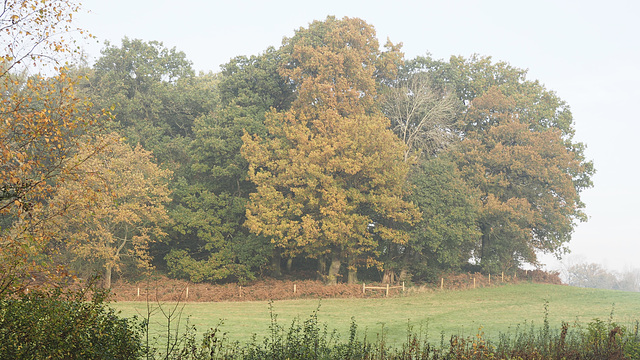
(329,179)
(447,235)
(529,183)
(156,100)
(496,95)
(153,94)
(116,208)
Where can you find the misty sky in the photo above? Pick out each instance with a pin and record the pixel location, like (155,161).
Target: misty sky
(588,52)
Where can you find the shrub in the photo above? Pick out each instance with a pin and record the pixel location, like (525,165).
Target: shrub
(60,324)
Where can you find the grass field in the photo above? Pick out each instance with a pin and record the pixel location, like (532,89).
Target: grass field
(462,312)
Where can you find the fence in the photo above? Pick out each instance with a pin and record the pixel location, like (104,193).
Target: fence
(365,287)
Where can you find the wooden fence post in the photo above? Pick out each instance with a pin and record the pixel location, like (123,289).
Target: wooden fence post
(364,288)
(474,282)
(387,293)
(441,283)
(294,288)
(138,291)
(187,294)
(502,276)
(489,278)
(403,286)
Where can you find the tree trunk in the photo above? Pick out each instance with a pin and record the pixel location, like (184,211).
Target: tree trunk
(289,264)
(404,274)
(352,276)
(389,276)
(352,272)
(116,257)
(276,268)
(107,276)
(322,268)
(334,268)
(484,247)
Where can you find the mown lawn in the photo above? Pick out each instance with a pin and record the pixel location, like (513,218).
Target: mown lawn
(494,310)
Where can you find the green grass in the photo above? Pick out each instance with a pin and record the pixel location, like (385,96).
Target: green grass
(495,310)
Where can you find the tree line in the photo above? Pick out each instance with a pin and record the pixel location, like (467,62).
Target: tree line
(330,156)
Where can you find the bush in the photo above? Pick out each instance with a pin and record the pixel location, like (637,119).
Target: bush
(65,325)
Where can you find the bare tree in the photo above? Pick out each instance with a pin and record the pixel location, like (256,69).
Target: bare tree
(592,275)
(421,116)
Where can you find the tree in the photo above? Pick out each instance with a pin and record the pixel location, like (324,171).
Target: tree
(473,77)
(447,234)
(421,115)
(158,102)
(591,275)
(33,32)
(41,120)
(529,183)
(330,175)
(500,105)
(153,94)
(116,209)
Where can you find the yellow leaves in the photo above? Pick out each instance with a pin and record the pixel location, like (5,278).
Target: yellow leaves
(330,167)
(126,193)
(37,31)
(39,130)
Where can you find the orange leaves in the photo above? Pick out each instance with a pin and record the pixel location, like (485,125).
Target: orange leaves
(117,205)
(525,173)
(330,176)
(334,65)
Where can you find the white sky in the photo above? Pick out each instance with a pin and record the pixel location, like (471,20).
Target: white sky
(588,52)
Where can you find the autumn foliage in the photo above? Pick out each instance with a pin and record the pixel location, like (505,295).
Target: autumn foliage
(525,176)
(329,179)
(115,209)
(41,120)
(329,157)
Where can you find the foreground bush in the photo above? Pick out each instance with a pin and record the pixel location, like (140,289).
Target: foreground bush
(65,325)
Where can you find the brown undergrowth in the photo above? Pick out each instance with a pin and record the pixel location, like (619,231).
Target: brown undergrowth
(164,289)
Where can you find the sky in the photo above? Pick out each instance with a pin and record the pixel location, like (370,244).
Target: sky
(588,52)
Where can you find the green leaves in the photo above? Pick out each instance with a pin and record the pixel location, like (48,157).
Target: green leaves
(448,234)
(57,325)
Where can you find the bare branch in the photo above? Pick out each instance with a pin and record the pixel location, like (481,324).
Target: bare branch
(421,116)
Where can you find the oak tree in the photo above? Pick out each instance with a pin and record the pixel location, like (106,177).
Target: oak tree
(497,100)
(529,183)
(330,175)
